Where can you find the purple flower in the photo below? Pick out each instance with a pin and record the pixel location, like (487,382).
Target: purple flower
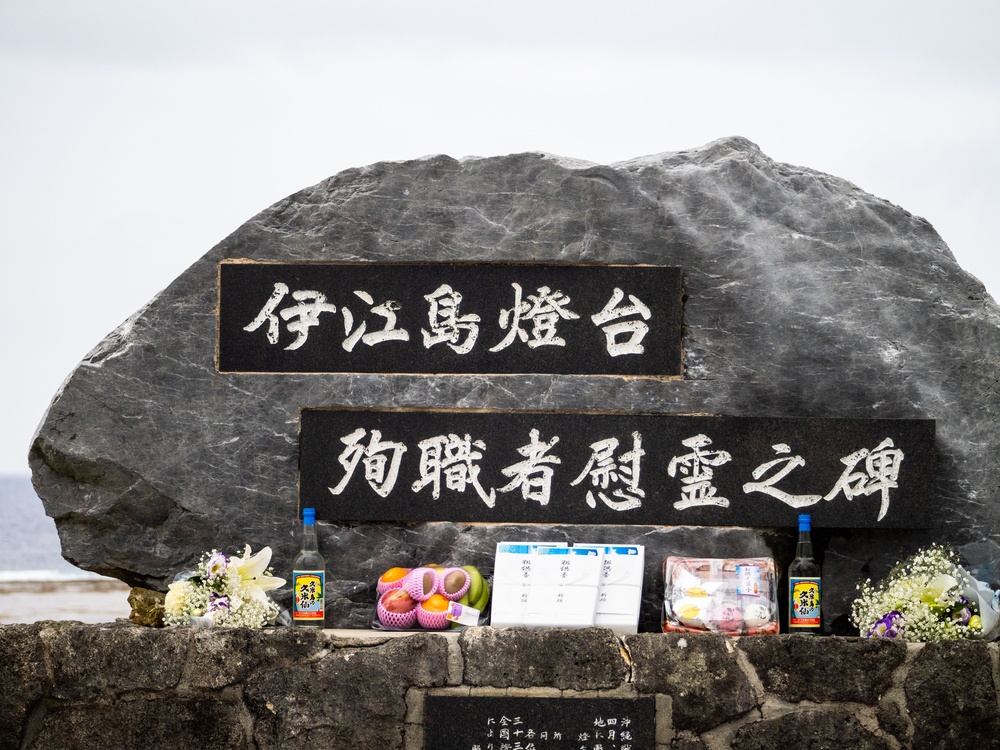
(891,625)
(962,611)
(216,565)
(962,616)
(218,608)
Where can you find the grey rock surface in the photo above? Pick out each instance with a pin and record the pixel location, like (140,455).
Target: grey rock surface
(587,659)
(947,679)
(699,672)
(832,729)
(91,687)
(790,667)
(22,679)
(806,296)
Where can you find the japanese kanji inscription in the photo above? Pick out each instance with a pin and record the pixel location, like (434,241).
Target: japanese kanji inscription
(529,723)
(589,468)
(449,319)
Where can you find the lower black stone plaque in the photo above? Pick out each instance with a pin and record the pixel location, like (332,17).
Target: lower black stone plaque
(592,468)
(492,723)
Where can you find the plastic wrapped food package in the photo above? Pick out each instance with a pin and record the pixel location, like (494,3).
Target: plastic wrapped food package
(736,596)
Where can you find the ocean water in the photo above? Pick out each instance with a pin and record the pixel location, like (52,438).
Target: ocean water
(36,583)
(29,543)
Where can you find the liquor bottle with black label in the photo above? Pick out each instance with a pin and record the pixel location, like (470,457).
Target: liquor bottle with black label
(804,584)
(308,577)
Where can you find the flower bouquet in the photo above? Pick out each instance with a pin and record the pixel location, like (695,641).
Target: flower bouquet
(224,591)
(927,597)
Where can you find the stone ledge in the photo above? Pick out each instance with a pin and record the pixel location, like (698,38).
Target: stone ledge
(65,684)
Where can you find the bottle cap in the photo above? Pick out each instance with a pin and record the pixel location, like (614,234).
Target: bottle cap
(309,516)
(805,522)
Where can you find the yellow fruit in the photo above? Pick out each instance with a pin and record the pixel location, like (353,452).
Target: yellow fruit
(475,582)
(484,597)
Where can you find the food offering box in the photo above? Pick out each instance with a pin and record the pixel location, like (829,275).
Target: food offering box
(735,596)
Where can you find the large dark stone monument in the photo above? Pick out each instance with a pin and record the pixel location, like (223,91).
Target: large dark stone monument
(803,298)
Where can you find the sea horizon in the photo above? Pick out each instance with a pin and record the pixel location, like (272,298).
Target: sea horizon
(36,582)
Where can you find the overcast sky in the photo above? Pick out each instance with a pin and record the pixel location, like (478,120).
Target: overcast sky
(135,136)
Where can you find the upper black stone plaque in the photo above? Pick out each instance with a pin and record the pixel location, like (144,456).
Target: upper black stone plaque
(450,318)
(594,468)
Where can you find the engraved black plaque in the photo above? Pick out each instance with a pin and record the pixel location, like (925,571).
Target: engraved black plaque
(449,319)
(492,723)
(593,468)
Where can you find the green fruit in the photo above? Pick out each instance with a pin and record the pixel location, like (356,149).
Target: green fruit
(484,597)
(475,582)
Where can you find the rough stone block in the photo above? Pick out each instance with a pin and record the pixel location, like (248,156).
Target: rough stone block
(699,672)
(586,659)
(797,668)
(225,656)
(22,680)
(688,741)
(833,729)
(951,698)
(292,706)
(145,721)
(110,660)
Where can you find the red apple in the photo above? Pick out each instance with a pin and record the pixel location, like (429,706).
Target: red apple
(398,601)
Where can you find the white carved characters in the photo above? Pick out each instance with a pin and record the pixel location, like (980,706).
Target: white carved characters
(535,320)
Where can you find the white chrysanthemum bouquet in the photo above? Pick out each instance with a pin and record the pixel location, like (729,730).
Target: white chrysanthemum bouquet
(225,591)
(927,597)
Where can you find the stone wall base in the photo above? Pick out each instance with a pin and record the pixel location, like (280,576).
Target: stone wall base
(69,685)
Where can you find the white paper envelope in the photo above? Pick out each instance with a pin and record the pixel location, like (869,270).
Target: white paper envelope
(515,561)
(569,566)
(622,600)
(561,606)
(508,605)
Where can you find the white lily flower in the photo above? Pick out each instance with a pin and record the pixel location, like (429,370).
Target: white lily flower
(938,589)
(250,569)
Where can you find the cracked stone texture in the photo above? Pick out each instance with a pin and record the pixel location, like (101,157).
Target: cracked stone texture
(796,669)
(291,707)
(22,679)
(806,296)
(153,720)
(66,684)
(828,729)
(699,672)
(951,679)
(589,659)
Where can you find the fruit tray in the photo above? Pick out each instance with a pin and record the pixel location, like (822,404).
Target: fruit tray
(421,598)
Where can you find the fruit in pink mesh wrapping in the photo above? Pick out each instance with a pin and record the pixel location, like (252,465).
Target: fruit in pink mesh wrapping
(421,583)
(397,609)
(431,614)
(391,579)
(454,582)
